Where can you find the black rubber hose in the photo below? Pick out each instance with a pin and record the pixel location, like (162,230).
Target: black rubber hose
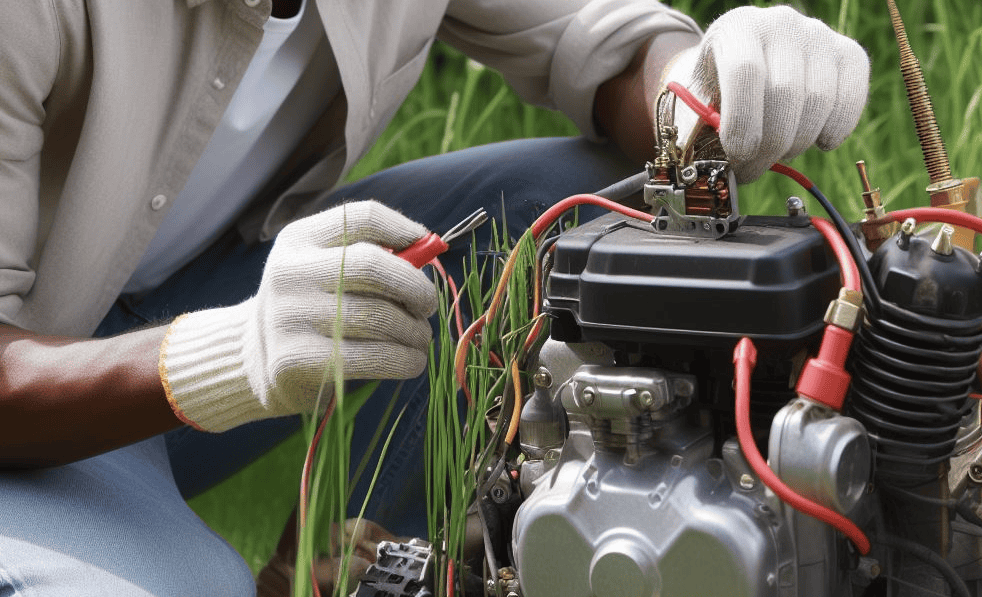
(955,582)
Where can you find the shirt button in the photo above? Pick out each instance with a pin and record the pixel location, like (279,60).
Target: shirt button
(158,202)
(252,3)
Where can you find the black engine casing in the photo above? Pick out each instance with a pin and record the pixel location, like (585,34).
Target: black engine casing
(616,280)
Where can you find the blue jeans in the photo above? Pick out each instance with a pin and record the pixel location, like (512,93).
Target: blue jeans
(119,521)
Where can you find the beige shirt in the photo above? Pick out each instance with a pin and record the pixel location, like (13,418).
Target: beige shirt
(105,107)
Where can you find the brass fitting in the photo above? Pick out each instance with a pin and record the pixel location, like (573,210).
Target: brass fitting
(960,194)
(874,232)
(945,191)
(847,311)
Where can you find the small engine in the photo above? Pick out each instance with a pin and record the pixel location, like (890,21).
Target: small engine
(639,488)
(622,455)
(632,481)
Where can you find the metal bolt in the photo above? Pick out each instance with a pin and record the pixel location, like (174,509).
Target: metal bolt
(588,396)
(645,399)
(542,378)
(747,482)
(975,473)
(689,174)
(499,495)
(868,568)
(906,231)
(795,206)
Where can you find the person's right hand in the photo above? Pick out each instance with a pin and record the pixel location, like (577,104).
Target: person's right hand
(782,82)
(334,301)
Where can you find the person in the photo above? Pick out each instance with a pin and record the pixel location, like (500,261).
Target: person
(162,159)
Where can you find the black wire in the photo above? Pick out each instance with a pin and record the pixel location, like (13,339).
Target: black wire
(488,547)
(624,188)
(961,526)
(871,293)
(955,582)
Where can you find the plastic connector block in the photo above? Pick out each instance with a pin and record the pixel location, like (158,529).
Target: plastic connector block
(400,570)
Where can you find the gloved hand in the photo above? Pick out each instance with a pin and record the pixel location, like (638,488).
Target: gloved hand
(269,355)
(780,81)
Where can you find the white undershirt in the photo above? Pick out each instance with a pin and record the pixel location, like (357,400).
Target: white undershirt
(245,150)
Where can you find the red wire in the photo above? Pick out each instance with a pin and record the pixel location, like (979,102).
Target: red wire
(794,174)
(453,292)
(936,214)
(744,359)
(549,217)
(708,115)
(850,272)
(824,378)
(711,117)
(305,481)
(541,224)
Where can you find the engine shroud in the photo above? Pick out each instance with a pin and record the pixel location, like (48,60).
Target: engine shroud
(616,279)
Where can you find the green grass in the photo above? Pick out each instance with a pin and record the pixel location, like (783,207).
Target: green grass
(458,104)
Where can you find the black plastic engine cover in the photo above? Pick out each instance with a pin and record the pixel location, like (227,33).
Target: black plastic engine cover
(615,279)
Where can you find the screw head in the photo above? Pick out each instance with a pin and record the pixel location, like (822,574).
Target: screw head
(975,473)
(645,399)
(795,206)
(588,397)
(542,378)
(747,482)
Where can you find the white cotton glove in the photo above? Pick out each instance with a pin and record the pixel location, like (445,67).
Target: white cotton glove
(267,356)
(781,82)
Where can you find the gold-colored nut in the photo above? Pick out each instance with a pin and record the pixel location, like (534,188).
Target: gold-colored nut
(846,312)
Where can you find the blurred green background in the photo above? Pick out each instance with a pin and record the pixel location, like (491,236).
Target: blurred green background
(459,103)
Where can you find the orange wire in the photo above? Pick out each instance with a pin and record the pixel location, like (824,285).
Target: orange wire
(516,412)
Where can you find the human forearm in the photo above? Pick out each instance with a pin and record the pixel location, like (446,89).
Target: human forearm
(623,105)
(64,399)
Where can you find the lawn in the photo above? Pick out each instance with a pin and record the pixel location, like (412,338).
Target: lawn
(458,103)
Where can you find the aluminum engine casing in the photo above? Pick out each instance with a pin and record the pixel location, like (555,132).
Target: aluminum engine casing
(662,518)
(670,525)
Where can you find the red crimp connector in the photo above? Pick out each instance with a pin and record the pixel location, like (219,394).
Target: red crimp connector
(425,249)
(824,378)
